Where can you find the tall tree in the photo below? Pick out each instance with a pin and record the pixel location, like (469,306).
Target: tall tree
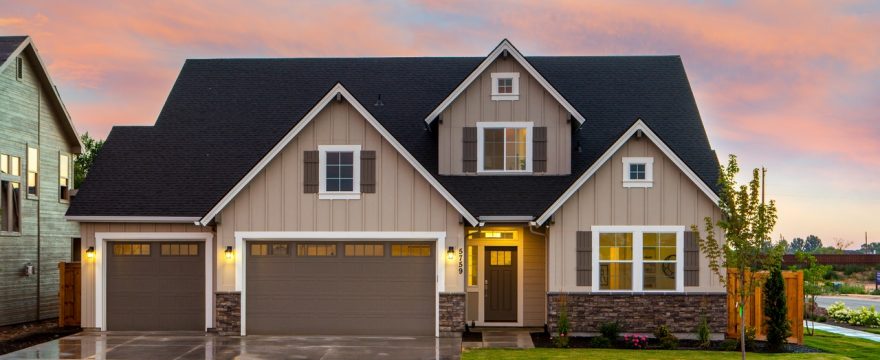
(797,245)
(784,245)
(812,243)
(871,248)
(84,161)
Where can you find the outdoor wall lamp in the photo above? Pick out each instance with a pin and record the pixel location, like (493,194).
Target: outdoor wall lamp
(229,253)
(450,254)
(90,252)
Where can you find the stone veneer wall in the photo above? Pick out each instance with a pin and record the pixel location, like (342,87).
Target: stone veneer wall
(228,305)
(452,312)
(640,312)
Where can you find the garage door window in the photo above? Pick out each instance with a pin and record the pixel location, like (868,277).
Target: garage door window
(377,250)
(264,249)
(180,250)
(315,250)
(410,250)
(131,249)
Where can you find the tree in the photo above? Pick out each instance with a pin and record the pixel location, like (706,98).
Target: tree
(746,223)
(812,243)
(840,244)
(813,277)
(871,248)
(784,245)
(797,245)
(776,310)
(84,161)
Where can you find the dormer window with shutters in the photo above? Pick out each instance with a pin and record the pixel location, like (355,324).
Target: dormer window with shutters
(504,146)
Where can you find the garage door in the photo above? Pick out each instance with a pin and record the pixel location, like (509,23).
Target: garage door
(155,286)
(340,288)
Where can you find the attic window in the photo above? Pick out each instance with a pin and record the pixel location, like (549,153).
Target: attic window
(505,86)
(638,172)
(19,68)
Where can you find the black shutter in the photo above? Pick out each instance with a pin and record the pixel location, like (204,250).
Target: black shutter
(539,149)
(368,171)
(310,172)
(584,258)
(691,259)
(469,150)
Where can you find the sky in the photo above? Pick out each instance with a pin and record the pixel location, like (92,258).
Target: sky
(790,85)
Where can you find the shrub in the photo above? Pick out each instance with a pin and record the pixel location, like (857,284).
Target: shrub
(703,332)
(635,341)
(729,345)
(875,292)
(611,330)
(838,312)
(750,338)
(776,311)
(667,340)
(821,318)
(600,342)
(851,289)
(561,340)
(864,316)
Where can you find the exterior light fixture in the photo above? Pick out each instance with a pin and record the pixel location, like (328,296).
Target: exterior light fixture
(450,254)
(90,252)
(229,254)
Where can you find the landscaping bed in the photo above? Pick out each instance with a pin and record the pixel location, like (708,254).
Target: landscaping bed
(20,336)
(543,340)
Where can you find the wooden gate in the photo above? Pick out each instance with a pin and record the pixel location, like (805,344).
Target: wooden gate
(69,294)
(754,311)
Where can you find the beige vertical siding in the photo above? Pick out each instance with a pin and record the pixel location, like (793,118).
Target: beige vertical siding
(673,200)
(475,104)
(534,279)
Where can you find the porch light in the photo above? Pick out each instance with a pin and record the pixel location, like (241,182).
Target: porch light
(229,254)
(450,254)
(90,252)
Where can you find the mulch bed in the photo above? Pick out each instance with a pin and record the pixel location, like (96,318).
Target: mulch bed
(543,340)
(20,336)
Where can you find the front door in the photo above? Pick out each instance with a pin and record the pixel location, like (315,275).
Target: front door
(500,284)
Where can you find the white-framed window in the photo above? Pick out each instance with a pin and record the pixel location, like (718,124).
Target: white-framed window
(504,147)
(33,172)
(339,171)
(505,86)
(638,172)
(638,258)
(64,173)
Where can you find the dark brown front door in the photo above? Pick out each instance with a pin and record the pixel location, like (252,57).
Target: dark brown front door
(500,286)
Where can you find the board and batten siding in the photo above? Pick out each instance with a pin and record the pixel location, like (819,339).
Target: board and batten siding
(275,201)
(602,200)
(534,253)
(87,232)
(27,118)
(475,104)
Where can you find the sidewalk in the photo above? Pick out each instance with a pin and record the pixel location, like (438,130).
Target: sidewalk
(847,332)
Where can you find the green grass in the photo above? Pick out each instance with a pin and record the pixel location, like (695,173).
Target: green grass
(854,348)
(571,354)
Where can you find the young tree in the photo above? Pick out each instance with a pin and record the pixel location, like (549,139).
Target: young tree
(84,161)
(813,273)
(841,244)
(746,222)
(776,310)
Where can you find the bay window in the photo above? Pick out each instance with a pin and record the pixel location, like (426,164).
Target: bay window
(638,258)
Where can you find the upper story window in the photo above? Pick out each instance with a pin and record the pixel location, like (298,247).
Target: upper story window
(64,177)
(505,86)
(638,172)
(339,171)
(19,68)
(10,165)
(33,171)
(638,258)
(504,146)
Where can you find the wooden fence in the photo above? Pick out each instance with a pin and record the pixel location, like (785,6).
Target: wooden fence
(754,311)
(69,294)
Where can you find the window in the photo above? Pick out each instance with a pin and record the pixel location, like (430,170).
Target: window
(339,171)
(133,249)
(10,165)
(368,250)
(500,257)
(638,172)
(10,207)
(473,257)
(19,68)
(315,250)
(504,146)
(410,250)
(4,164)
(33,166)
(505,86)
(638,258)
(273,249)
(64,177)
(178,249)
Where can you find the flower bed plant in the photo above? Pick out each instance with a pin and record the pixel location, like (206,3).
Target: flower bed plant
(863,316)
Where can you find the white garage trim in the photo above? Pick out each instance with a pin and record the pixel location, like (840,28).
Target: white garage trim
(100,264)
(241,237)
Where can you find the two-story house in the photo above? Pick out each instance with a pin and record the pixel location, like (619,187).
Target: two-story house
(405,196)
(37,146)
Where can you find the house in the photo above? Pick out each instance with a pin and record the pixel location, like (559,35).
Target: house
(37,146)
(405,196)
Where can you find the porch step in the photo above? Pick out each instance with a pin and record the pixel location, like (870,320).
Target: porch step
(507,339)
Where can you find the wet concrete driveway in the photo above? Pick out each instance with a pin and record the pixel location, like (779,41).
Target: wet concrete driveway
(165,345)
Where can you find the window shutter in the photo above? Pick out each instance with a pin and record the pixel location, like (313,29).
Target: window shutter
(539,149)
(469,149)
(310,172)
(368,171)
(584,258)
(691,259)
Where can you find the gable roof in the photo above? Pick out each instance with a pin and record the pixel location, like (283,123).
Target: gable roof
(223,116)
(14,46)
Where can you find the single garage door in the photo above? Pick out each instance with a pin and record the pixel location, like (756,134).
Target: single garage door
(155,286)
(340,288)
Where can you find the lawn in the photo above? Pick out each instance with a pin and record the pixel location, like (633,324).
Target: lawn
(855,348)
(571,354)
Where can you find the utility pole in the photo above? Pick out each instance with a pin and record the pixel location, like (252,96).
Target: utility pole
(763,176)
(866,243)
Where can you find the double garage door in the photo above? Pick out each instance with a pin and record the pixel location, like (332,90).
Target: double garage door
(340,288)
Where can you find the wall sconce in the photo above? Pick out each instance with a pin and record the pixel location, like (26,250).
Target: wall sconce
(229,254)
(450,254)
(28,270)
(90,252)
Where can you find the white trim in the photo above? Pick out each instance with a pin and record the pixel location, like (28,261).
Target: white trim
(504,218)
(134,219)
(637,258)
(100,265)
(355,193)
(241,237)
(648,181)
(481,126)
(338,89)
(514,92)
(481,245)
(639,125)
(505,45)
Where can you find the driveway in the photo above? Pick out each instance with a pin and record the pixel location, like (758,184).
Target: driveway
(852,302)
(165,345)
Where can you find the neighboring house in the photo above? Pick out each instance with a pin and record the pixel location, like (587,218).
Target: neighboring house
(405,196)
(37,146)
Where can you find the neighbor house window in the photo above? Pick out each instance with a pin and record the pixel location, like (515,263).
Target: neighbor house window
(19,68)
(64,177)
(10,206)
(638,258)
(504,146)
(339,171)
(473,256)
(33,166)
(505,86)
(10,165)
(638,172)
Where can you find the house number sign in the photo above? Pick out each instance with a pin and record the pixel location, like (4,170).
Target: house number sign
(460,261)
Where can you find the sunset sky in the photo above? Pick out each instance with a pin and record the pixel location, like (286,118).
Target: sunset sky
(791,86)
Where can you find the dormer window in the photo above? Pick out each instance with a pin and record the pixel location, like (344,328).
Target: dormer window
(505,86)
(638,172)
(504,147)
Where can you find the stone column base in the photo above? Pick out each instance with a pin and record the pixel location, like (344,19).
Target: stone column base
(228,307)
(451,313)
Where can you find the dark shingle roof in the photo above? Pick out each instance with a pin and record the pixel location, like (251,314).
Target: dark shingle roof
(222,116)
(8,44)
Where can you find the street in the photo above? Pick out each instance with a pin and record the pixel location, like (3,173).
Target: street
(850,301)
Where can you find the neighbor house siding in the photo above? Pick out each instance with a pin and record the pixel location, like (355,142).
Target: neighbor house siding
(475,104)
(275,201)
(673,200)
